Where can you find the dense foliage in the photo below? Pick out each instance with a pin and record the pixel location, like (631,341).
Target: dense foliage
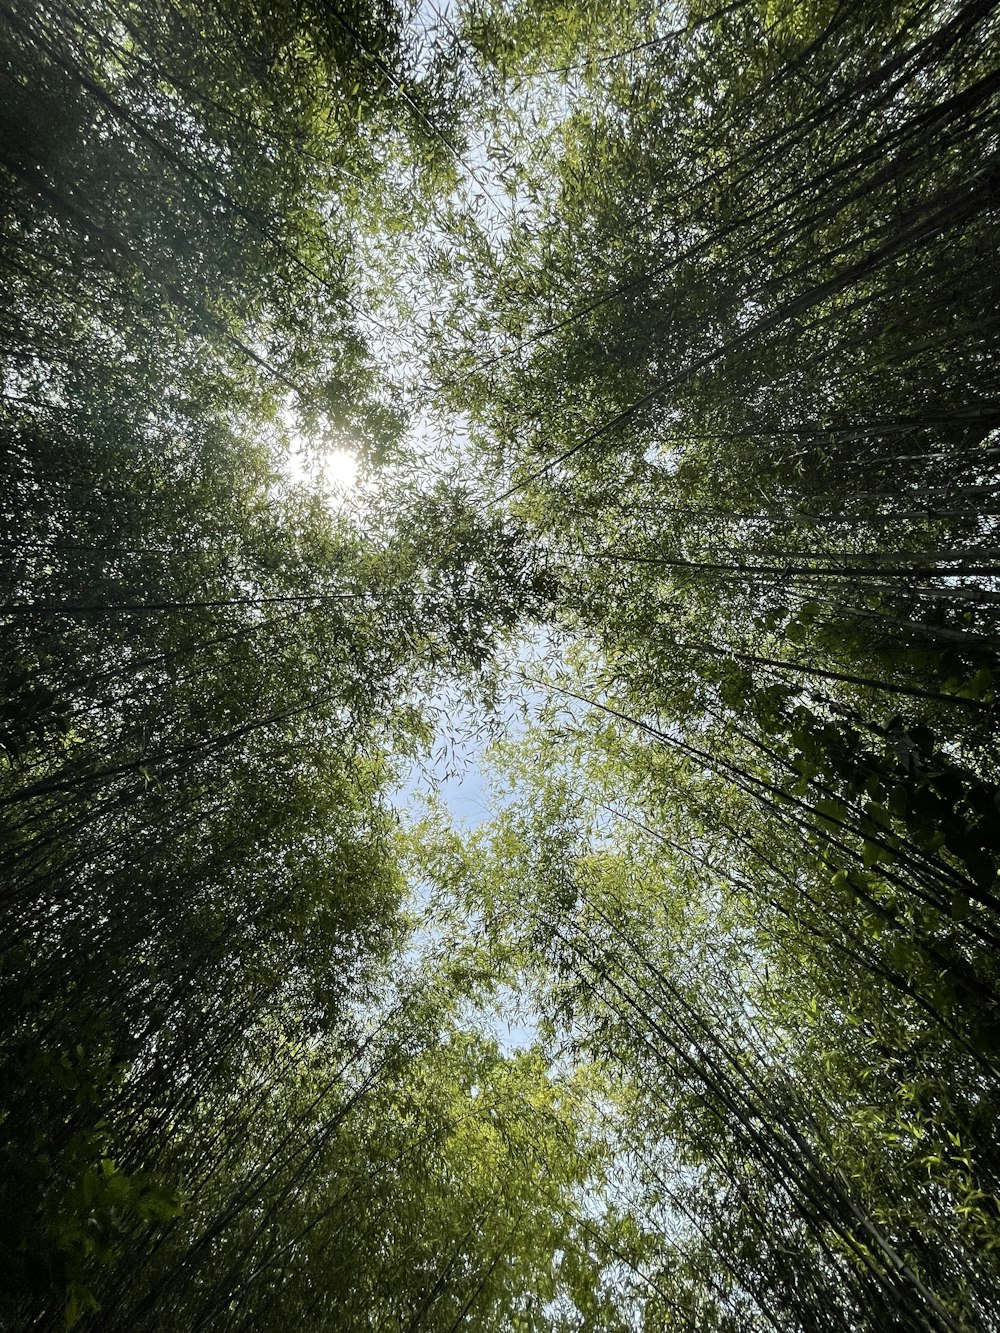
(664,337)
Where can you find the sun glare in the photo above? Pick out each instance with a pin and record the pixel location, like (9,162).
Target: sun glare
(307,463)
(334,470)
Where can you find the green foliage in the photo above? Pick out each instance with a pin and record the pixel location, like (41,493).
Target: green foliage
(705,296)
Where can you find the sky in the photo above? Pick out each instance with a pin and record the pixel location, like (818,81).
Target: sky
(455,771)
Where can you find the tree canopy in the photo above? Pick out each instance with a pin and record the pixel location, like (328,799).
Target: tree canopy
(663,341)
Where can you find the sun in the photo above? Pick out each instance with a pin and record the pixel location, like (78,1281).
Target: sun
(334,471)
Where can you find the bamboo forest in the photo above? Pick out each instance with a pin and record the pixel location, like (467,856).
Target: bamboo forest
(499,770)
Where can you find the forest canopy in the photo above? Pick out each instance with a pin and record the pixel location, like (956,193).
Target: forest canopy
(605,397)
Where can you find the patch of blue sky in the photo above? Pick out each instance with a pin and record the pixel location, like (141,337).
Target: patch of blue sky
(456,779)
